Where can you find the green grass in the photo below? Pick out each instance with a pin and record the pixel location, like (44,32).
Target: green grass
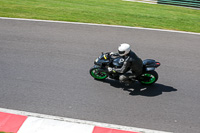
(115,12)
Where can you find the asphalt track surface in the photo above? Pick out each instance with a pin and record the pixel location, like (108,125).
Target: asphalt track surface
(44,68)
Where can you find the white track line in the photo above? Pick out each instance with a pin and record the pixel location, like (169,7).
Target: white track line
(143,1)
(29,114)
(92,24)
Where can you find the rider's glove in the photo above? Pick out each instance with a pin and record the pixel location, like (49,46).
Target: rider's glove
(110,69)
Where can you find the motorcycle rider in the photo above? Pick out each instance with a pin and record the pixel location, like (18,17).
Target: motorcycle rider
(130,62)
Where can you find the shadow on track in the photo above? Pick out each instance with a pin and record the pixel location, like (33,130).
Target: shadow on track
(138,89)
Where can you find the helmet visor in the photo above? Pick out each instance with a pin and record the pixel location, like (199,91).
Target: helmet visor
(121,52)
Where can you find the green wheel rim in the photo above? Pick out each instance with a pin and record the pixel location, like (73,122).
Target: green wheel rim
(151,80)
(97,75)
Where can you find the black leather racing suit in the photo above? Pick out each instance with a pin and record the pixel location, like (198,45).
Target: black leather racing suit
(131,62)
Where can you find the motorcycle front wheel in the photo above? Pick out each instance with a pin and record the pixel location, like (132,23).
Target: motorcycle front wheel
(148,78)
(96,74)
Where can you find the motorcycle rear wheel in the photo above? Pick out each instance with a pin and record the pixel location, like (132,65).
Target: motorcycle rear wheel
(148,78)
(94,72)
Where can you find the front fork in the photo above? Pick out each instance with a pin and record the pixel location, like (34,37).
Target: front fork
(100,69)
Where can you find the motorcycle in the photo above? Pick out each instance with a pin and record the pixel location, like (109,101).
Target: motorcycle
(99,71)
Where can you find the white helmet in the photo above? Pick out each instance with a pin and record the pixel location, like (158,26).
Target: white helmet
(124,49)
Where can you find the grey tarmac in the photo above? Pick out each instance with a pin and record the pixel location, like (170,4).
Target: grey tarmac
(45,69)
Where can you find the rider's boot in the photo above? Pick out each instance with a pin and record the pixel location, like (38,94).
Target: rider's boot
(125,79)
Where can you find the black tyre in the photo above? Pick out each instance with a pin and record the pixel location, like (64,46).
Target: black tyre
(94,72)
(148,78)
